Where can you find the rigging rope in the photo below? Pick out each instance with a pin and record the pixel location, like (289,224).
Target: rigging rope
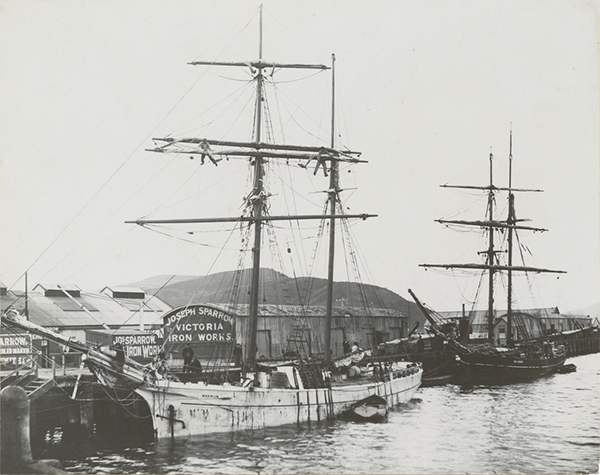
(240,92)
(104,185)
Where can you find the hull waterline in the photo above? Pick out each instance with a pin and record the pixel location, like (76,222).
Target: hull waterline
(477,368)
(181,410)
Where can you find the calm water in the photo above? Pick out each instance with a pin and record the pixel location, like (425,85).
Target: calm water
(550,426)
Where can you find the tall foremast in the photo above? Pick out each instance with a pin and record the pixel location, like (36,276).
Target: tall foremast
(257,210)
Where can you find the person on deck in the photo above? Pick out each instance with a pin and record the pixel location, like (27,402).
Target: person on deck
(547,349)
(237,355)
(355,347)
(188,355)
(346,346)
(195,366)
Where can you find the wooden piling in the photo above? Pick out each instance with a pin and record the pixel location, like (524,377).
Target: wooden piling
(581,346)
(14,407)
(16,443)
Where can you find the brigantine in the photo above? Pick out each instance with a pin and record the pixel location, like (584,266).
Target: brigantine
(266,394)
(523,357)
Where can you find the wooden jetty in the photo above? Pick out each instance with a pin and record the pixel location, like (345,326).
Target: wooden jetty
(579,342)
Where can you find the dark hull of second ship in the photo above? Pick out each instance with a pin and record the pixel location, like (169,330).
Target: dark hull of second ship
(477,368)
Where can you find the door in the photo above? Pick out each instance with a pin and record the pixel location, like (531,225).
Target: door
(263,344)
(337,340)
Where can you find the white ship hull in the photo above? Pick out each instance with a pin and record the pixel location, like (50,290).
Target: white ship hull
(186,409)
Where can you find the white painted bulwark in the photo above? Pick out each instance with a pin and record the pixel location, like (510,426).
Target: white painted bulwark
(182,410)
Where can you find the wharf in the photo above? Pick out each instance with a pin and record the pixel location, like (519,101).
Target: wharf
(57,415)
(584,346)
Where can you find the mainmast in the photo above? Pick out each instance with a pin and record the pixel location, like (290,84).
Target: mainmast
(491,255)
(511,220)
(333,196)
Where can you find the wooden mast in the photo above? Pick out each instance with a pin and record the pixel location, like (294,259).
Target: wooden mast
(251,345)
(511,220)
(490,256)
(333,193)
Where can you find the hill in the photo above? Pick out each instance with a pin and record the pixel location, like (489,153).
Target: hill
(158,281)
(276,288)
(593,311)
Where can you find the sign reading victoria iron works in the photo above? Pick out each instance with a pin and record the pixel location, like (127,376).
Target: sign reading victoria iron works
(199,325)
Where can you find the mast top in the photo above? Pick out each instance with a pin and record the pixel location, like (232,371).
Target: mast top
(260,44)
(260,64)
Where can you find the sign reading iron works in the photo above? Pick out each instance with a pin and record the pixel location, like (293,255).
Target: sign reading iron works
(199,324)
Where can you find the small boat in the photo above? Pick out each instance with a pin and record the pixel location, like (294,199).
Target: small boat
(521,359)
(371,409)
(568,368)
(432,381)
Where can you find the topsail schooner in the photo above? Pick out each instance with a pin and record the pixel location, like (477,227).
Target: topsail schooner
(267,394)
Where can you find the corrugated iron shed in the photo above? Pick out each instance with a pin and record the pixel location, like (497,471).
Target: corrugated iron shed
(64,312)
(297,311)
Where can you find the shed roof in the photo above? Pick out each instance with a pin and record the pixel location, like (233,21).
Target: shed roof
(62,312)
(67,287)
(480,316)
(312,311)
(124,292)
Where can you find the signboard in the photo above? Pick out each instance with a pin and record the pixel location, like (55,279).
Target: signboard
(140,346)
(15,350)
(199,324)
(206,329)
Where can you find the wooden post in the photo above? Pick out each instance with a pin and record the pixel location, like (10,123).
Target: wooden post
(16,446)
(86,412)
(16,442)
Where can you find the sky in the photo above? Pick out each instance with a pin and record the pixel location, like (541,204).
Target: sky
(424,89)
